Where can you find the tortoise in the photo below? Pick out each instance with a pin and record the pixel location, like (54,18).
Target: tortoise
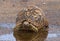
(31,18)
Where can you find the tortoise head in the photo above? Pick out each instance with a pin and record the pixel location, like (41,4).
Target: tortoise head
(30,18)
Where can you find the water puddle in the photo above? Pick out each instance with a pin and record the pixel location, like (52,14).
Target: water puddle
(21,36)
(7,37)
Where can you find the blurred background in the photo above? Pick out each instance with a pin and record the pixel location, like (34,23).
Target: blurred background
(10,8)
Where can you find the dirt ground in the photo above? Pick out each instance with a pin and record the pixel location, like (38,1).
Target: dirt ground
(10,8)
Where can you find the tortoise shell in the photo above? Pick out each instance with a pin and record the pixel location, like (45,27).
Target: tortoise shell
(31,17)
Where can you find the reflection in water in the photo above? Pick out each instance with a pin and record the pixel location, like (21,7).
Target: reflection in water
(54,34)
(31,36)
(7,37)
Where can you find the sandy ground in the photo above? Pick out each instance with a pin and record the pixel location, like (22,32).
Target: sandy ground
(10,8)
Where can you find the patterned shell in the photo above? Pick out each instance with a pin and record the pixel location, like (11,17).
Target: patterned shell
(32,14)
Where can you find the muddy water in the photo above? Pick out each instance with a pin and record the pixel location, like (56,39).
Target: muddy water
(7,34)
